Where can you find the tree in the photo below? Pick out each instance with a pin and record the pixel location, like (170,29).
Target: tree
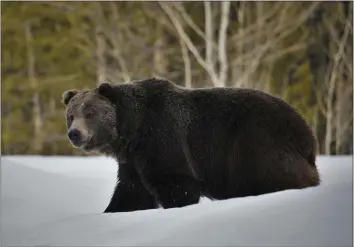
(48,48)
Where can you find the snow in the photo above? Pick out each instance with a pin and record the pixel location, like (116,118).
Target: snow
(58,201)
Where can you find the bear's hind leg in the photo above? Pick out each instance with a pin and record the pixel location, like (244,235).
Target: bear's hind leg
(176,190)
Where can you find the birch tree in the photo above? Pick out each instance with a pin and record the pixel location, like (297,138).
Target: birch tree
(36,100)
(336,99)
(100,44)
(217,46)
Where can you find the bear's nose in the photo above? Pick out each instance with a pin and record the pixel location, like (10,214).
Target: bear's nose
(74,135)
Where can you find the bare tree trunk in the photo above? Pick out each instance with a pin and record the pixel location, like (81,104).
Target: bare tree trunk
(260,20)
(187,65)
(52,106)
(329,117)
(222,51)
(235,73)
(343,113)
(339,113)
(209,35)
(159,60)
(37,114)
(189,44)
(263,84)
(315,128)
(100,45)
(331,88)
(116,39)
(240,47)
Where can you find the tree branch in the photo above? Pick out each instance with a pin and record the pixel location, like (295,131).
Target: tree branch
(176,22)
(209,34)
(224,22)
(187,65)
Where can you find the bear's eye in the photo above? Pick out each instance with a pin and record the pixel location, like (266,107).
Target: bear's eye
(71,118)
(89,114)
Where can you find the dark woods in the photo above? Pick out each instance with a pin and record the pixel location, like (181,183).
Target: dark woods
(300,51)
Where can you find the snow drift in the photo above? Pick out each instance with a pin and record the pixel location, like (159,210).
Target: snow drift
(58,201)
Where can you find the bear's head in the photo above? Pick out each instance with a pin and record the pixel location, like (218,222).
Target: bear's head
(90,118)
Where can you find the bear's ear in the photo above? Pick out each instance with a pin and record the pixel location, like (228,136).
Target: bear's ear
(106,90)
(68,95)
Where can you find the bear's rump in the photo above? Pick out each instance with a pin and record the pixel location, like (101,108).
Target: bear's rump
(244,161)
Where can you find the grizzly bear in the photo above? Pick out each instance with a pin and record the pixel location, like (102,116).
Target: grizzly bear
(174,145)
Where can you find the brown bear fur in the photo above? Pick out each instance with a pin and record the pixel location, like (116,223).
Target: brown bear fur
(174,145)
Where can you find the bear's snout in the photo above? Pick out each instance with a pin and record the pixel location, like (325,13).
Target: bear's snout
(75,136)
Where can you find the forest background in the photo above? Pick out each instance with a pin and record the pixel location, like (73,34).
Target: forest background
(300,51)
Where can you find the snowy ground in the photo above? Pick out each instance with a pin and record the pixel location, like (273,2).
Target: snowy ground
(57,201)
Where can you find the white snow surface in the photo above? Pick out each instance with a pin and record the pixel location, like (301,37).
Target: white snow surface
(58,201)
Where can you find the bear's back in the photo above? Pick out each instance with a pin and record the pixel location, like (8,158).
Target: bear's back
(236,110)
(223,108)
(155,85)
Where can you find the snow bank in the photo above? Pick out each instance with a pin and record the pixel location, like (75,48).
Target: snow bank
(59,201)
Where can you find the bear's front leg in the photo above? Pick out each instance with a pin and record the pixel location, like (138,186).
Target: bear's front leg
(130,194)
(175,190)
